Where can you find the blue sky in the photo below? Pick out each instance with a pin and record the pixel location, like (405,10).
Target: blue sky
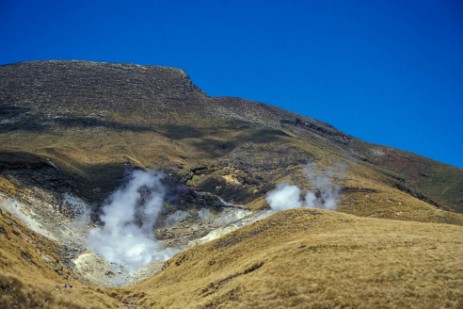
(388,72)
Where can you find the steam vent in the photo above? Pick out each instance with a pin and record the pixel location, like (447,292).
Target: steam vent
(127,186)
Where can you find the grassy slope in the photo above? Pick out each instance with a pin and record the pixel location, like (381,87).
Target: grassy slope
(95,159)
(30,272)
(437,183)
(91,118)
(316,259)
(297,258)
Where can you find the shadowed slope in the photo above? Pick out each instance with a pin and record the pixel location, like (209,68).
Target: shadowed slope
(86,116)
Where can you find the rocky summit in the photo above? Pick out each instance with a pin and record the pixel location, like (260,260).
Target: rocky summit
(81,141)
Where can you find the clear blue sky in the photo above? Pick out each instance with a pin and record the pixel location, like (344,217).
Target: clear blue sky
(388,72)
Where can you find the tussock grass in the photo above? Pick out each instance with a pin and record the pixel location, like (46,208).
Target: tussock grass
(31,272)
(299,258)
(317,259)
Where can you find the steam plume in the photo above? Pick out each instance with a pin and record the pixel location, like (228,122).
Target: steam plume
(285,196)
(324,192)
(126,237)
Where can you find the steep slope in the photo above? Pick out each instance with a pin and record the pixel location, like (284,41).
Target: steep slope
(83,124)
(32,274)
(74,129)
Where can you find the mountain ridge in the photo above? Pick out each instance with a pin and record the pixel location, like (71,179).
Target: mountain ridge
(60,98)
(73,132)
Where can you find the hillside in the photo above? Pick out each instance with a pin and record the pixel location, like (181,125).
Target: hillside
(297,258)
(316,259)
(91,120)
(73,132)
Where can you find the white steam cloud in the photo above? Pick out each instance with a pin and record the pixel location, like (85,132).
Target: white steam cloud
(324,193)
(285,196)
(126,237)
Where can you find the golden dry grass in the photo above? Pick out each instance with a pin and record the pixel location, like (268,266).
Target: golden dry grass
(77,153)
(30,271)
(317,259)
(298,258)
(380,200)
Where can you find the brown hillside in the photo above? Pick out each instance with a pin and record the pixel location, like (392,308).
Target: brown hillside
(75,129)
(298,258)
(87,122)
